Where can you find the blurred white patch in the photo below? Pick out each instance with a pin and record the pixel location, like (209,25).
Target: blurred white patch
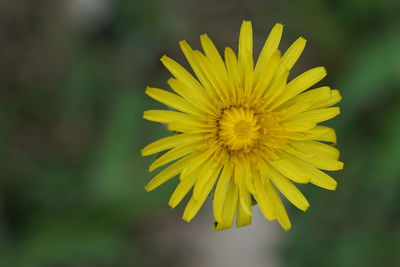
(88,14)
(255,245)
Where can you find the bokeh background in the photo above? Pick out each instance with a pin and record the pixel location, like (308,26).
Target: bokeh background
(72,81)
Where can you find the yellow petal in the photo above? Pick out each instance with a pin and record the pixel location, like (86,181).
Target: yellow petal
(335,98)
(240,180)
(243,217)
(290,169)
(322,133)
(263,201)
(300,84)
(279,209)
(276,89)
(200,71)
(306,80)
(208,68)
(205,174)
(308,172)
(172,155)
(318,133)
(270,46)
(196,97)
(298,125)
(172,100)
(318,149)
(295,109)
(216,59)
(221,191)
(265,74)
(201,158)
(195,204)
(182,74)
(323,156)
(289,190)
(233,72)
(165,116)
(244,206)
(291,55)
(169,172)
(248,77)
(309,98)
(190,126)
(249,172)
(315,116)
(229,209)
(182,189)
(245,51)
(170,142)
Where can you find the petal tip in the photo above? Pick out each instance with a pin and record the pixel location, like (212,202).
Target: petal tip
(172,204)
(203,36)
(305,208)
(302,39)
(186,218)
(164,58)
(171,81)
(152,167)
(148,90)
(333,187)
(323,70)
(286,225)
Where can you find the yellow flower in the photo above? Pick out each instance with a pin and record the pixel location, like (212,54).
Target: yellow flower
(243,127)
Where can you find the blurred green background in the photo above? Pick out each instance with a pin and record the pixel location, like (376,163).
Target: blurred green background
(72,80)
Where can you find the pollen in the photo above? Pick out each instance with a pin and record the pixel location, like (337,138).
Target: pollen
(239,129)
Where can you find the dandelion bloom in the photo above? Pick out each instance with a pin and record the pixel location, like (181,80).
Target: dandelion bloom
(242,127)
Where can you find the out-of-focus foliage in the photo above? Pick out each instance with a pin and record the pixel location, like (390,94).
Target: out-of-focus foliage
(359,225)
(72,77)
(71,190)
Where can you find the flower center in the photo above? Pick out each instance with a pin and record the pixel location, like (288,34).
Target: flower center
(238,128)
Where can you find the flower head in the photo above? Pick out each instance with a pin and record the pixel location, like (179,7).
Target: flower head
(242,127)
